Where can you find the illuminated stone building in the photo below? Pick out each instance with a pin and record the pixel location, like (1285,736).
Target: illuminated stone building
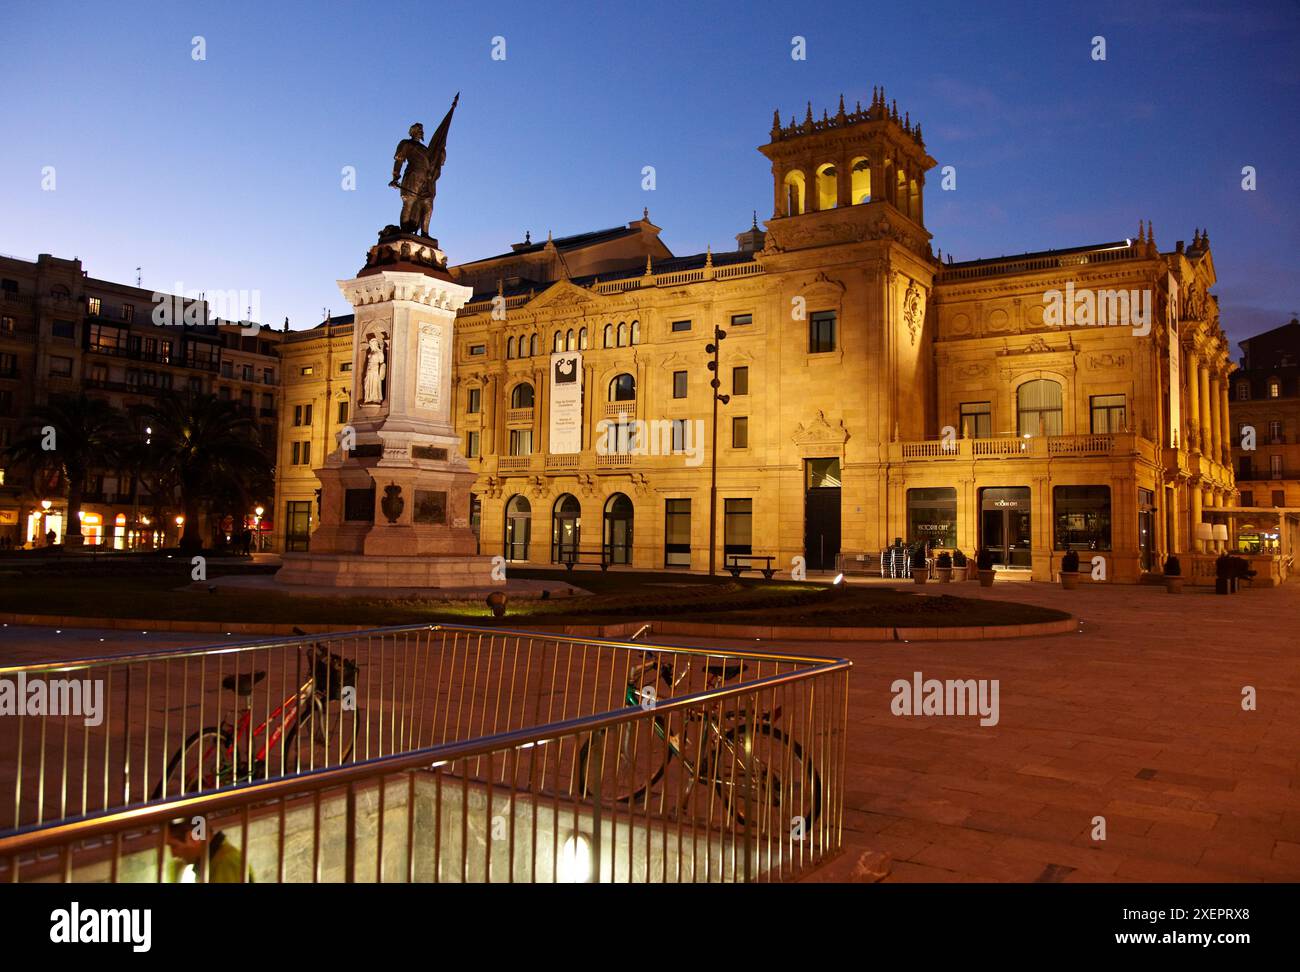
(873,391)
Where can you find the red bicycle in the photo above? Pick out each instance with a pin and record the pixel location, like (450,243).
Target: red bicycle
(306,731)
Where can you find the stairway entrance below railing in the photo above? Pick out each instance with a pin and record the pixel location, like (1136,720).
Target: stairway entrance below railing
(431,753)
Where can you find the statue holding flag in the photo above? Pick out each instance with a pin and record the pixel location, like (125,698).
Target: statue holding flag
(418,184)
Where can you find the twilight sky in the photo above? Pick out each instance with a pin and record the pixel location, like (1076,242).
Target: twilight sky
(225,173)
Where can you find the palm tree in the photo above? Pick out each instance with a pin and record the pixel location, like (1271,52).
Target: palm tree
(71,436)
(209,447)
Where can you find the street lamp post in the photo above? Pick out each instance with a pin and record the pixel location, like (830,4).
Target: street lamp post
(718,398)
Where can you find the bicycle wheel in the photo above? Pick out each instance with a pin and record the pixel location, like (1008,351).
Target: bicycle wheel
(787,791)
(634,758)
(323,738)
(203,762)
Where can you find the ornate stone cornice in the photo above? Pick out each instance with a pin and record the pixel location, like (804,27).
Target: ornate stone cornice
(391,285)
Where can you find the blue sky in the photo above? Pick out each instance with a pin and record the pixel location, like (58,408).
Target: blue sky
(225,174)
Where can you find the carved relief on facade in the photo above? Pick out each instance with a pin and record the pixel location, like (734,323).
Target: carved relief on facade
(914,309)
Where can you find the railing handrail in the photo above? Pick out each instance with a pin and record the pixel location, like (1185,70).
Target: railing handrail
(37,836)
(246,646)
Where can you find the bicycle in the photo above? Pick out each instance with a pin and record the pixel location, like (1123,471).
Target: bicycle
(217,756)
(782,779)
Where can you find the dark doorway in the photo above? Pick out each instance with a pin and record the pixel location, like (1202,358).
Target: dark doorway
(565,529)
(1005,525)
(821,533)
(618,529)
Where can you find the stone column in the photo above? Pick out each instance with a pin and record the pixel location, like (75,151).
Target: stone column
(844,181)
(1216,421)
(1225,418)
(1198,500)
(810,201)
(1193,414)
(1204,417)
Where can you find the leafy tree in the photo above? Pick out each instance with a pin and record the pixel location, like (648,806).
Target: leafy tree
(70,437)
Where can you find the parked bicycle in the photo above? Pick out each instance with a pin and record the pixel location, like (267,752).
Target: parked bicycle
(711,748)
(310,729)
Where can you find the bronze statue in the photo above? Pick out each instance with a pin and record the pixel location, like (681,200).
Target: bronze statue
(419,184)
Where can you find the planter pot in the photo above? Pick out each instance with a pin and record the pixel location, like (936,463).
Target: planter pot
(497,602)
(1173,583)
(959,573)
(1069,579)
(943,574)
(920,575)
(986,577)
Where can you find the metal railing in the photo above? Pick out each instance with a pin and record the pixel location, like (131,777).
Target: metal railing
(435,752)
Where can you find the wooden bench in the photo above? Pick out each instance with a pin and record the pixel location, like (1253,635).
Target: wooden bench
(585,557)
(735,568)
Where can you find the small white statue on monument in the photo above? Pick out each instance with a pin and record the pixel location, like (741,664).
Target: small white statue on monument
(372,382)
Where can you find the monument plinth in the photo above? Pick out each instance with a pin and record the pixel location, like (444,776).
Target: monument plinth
(395,494)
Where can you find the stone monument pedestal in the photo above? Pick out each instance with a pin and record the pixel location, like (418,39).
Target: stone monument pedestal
(395,495)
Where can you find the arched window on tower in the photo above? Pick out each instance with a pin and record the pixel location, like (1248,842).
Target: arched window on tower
(794,193)
(828,190)
(860,187)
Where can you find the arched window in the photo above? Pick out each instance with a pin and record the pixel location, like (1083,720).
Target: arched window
(519,522)
(636,332)
(510,347)
(566,526)
(914,200)
(828,190)
(535,345)
(622,388)
(900,188)
(622,334)
(569,341)
(557,344)
(582,339)
(794,193)
(860,187)
(1038,407)
(618,529)
(521,396)
(609,336)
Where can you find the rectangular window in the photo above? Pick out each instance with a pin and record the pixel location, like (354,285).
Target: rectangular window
(8,364)
(93,305)
(821,332)
(1279,497)
(739,320)
(477,349)
(128,312)
(475,403)
(1108,414)
(345,366)
(64,329)
(1247,498)
(521,442)
(1275,432)
(679,384)
(223,393)
(246,399)
(740,381)
(297,529)
(976,420)
(302,414)
(740,432)
(932,516)
(268,376)
(679,435)
(471,445)
(1082,517)
(307,371)
(1275,467)
(227,370)
(7,324)
(677,533)
(343,412)
(737,526)
(60,367)
(1243,391)
(246,373)
(678,326)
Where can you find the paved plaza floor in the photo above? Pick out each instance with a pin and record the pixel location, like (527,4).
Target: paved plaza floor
(1137,719)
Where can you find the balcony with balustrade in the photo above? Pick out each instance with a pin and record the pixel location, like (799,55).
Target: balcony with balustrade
(1114,445)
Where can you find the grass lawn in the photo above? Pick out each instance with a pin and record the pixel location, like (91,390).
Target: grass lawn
(615,596)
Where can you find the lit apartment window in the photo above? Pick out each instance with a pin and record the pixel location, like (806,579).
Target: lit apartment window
(740,432)
(679,384)
(976,420)
(521,442)
(475,403)
(740,381)
(1274,388)
(1108,413)
(821,332)
(93,305)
